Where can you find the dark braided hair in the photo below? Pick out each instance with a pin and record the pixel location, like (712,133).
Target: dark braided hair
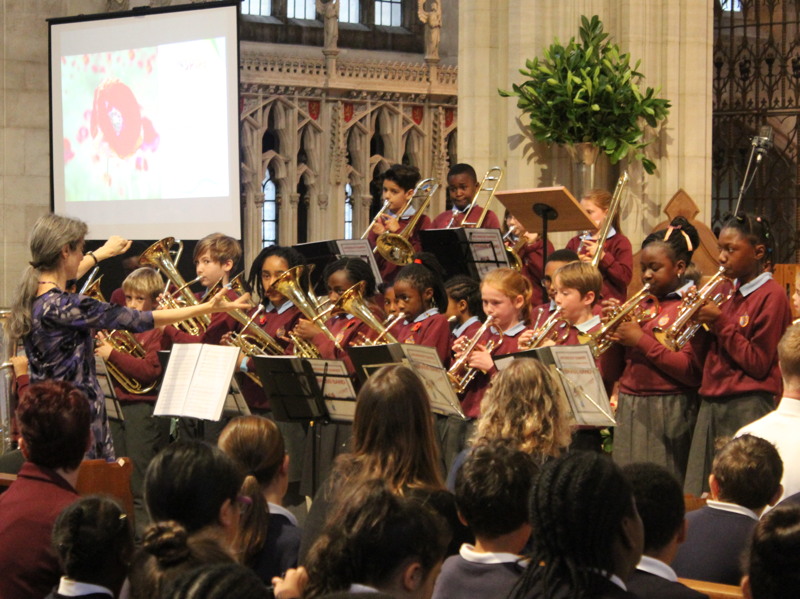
(755,229)
(577,506)
(423,273)
(356,269)
(217,582)
(681,240)
(462,287)
(93,539)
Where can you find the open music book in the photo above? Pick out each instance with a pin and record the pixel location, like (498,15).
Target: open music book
(574,370)
(196,381)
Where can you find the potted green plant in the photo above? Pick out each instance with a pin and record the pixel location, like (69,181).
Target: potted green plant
(588,93)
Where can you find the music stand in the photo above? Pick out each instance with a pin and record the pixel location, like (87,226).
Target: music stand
(322,253)
(465,251)
(546,209)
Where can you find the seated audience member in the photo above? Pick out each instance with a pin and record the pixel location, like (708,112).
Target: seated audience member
(492,490)
(780,427)
(54,419)
(269,538)
(217,582)
(772,564)
(168,550)
(374,542)
(659,500)
(196,485)
(524,408)
(587,537)
(94,543)
(393,440)
(745,478)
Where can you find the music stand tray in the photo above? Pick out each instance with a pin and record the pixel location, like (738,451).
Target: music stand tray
(292,388)
(465,251)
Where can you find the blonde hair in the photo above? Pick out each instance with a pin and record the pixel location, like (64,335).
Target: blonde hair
(220,247)
(602,199)
(512,284)
(48,237)
(581,276)
(525,407)
(144,280)
(789,352)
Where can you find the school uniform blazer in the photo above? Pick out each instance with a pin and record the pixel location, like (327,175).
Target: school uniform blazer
(146,370)
(443,220)
(644,584)
(433,331)
(715,540)
(387,269)
(532,256)
(616,265)
(221,323)
(347,331)
(743,352)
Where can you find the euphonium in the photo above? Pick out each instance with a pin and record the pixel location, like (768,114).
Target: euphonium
(352,302)
(685,326)
(161,256)
(396,247)
(288,285)
(613,209)
(513,248)
(122,341)
(634,309)
(252,339)
(460,374)
(489,183)
(555,328)
(385,336)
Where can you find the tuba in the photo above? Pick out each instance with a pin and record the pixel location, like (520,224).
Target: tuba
(460,375)
(122,341)
(613,209)
(396,247)
(555,328)
(634,308)
(685,326)
(288,285)
(252,339)
(162,257)
(491,180)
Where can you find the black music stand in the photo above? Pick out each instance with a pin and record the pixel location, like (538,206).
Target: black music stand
(546,210)
(322,253)
(465,251)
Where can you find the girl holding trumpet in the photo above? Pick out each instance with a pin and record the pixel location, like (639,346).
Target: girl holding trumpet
(57,327)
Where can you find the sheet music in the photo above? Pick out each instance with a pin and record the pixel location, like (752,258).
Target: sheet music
(487,249)
(361,249)
(421,354)
(177,379)
(337,380)
(586,391)
(426,363)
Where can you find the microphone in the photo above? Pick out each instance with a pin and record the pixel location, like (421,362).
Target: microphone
(762,142)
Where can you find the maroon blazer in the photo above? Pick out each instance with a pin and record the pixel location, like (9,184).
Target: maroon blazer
(434,332)
(616,265)
(443,220)
(146,370)
(533,269)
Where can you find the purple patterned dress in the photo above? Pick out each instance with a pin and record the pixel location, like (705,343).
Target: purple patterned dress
(61,346)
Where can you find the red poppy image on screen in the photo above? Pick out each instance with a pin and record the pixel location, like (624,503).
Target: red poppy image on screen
(117,116)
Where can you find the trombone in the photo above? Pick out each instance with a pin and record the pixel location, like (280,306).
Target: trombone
(489,184)
(396,247)
(605,228)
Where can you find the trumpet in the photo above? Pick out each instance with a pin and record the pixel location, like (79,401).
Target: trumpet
(685,326)
(120,340)
(489,183)
(555,328)
(460,374)
(634,309)
(396,247)
(163,257)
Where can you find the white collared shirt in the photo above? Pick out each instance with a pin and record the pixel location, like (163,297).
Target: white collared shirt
(588,325)
(511,331)
(459,330)
(362,588)
(424,315)
(656,567)
(468,553)
(751,286)
(274,508)
(680,291)
(611,232)
(411,211)
(73,588)
(270,307)
(732,507)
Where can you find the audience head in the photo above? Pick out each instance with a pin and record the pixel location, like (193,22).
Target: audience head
(660,503)
(524,407)
(220,581)
(393,435)
(492,488)
(54,422)
(195,484)
(772,563)
(747,471)
(93,540)
(255,445)
(379,539)
(789,357)
(168,550)
(584,520)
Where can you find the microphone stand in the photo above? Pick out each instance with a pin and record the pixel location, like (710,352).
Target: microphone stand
(757,150)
